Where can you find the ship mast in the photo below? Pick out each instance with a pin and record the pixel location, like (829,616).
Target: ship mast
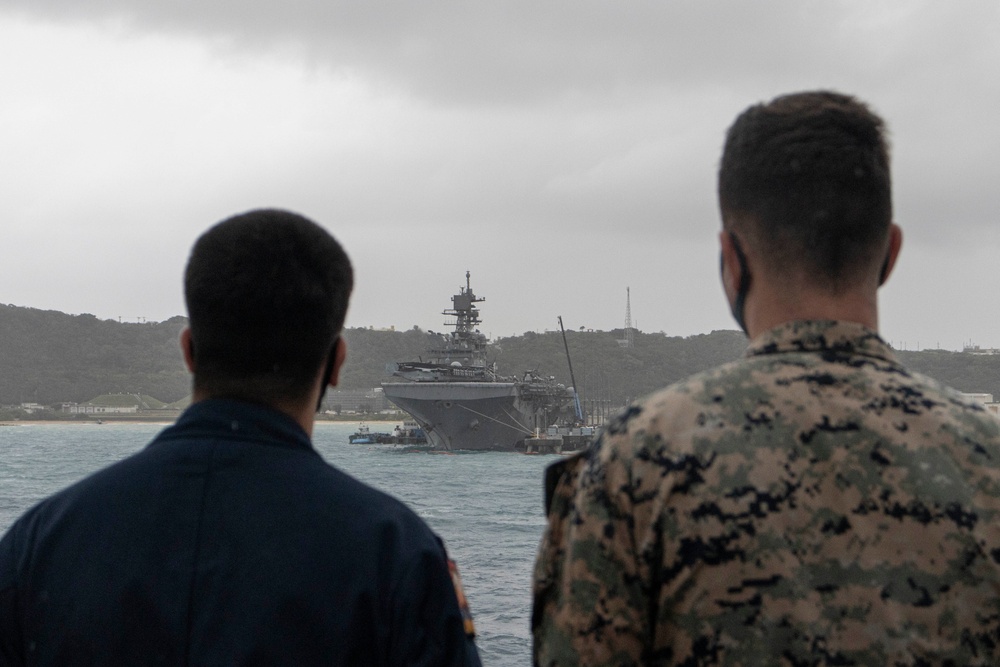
(463,309)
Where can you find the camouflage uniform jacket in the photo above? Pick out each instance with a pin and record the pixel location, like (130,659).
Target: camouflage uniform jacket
(813,503)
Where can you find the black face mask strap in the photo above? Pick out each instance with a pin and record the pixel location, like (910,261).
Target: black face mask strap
(327,373)
(741,294)
(884,273)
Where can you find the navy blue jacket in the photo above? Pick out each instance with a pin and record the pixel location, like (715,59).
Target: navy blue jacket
(227,541)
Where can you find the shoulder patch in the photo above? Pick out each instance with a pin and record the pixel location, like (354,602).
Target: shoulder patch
(463,602)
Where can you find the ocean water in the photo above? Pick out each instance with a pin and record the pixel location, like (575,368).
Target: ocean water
(486,506)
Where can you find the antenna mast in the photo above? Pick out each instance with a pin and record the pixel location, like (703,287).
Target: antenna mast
(629,341)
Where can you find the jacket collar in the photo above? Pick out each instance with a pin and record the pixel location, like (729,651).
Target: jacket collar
(229,418)
(832,336)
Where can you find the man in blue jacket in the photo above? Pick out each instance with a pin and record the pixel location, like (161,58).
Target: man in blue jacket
(228,540)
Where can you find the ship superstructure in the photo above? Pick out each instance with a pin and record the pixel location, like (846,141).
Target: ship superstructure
(459,400)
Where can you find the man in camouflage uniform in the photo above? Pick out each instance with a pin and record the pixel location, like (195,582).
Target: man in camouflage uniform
(812,503)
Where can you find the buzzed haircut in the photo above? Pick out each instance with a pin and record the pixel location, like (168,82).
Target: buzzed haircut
(806,179)
(267,294)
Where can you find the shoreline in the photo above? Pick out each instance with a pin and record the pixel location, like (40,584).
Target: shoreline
(81,422)
(104,421)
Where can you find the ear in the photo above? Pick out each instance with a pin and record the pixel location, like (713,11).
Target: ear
(732,271)
(339,355)
(895,243)
(187,348)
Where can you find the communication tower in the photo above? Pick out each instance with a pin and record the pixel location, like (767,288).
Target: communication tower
(629,340)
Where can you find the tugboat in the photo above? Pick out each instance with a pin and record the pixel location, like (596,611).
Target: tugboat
(458,398)
(364,436)
(407,434)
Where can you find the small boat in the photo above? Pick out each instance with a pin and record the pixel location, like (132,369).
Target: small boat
(409,433)
(364,436)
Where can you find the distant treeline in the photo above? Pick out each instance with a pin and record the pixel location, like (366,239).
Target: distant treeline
(49,357)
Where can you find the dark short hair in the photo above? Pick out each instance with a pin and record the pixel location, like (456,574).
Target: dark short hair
(806,178)
(267,295)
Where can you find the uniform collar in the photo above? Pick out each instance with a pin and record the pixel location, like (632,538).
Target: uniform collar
(229,418)
(821,336)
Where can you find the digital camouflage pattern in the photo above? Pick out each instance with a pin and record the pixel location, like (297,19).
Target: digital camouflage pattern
(811,504)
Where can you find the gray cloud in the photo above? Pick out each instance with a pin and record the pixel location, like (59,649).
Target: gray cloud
(523,52)
(517,139)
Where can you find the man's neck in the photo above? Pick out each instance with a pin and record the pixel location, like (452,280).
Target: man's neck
(771,305)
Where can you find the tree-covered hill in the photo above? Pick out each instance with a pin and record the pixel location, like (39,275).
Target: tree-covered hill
(369,350)
(966,372)
(48,357)
(605,370)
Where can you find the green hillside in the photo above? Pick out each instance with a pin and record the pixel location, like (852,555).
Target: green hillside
(49,357)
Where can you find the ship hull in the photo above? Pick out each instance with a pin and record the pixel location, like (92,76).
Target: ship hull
(483,416)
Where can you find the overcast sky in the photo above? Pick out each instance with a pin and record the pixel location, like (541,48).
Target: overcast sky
(560,151)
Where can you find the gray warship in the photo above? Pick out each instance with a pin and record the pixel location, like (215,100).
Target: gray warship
(458,398)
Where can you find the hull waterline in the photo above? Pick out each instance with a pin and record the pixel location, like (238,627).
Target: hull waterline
(463,415)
